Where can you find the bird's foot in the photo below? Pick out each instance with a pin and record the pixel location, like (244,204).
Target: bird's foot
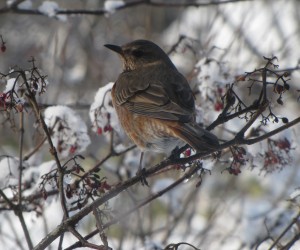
(142,174)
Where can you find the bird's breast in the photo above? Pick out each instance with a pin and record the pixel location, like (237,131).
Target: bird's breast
(146,132)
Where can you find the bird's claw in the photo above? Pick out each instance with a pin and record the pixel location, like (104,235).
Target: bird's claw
(142,174)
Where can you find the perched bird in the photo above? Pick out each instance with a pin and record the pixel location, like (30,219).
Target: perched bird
(154,102)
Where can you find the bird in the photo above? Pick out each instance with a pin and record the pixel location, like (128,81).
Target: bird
(154,102)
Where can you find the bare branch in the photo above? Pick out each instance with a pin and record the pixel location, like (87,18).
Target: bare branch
(14,8)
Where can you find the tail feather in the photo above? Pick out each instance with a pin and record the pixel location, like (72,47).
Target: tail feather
(197,137)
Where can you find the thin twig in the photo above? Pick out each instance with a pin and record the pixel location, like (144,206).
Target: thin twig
(152,197)
(84,242)
(295,220)
(53,151)
(271,133)
(26,157)
(99,223)
(15,9)
(18,210)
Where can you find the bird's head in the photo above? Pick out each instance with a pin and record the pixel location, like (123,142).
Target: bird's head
(140,53)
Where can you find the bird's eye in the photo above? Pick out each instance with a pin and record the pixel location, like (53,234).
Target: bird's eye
(137,53)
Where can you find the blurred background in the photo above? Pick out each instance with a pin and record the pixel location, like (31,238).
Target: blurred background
(226,211)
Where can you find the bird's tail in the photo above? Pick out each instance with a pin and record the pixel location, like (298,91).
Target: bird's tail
(197,137)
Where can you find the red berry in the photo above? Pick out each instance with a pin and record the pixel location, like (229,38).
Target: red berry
(109,128)
(3,47)
(218,106)
(283,144)
(220,91)
(188,152)
(99,131)
(105,185)
(105,128)
(234,171)
(73,149)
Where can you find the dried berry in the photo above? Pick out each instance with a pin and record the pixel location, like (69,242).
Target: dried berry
(286,86)
(278,89)
(286,74)
(279,101)
(285,120)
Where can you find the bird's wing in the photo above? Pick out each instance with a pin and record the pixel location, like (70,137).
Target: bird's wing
(165,96)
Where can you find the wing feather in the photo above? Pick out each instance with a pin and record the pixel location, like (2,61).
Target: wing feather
(158,93)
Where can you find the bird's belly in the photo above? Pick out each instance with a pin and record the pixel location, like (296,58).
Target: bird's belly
(165,144)
(148,133)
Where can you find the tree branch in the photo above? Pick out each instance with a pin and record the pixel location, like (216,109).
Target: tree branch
(14,8)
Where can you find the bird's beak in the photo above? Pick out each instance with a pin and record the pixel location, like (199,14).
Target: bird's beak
(114,48)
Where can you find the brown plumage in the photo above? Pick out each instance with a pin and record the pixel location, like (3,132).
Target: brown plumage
(154,102)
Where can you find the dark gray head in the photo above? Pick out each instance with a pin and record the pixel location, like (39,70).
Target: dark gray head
(141,53)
